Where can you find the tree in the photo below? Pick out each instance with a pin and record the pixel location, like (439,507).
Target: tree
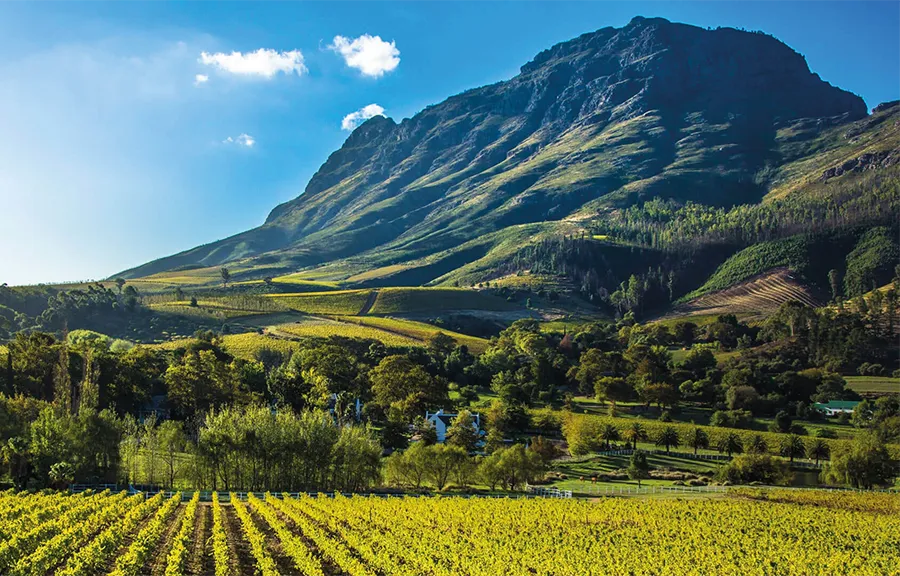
(638,468)
(636,433)
(609,434)
(834,280)
(120,282)
(441,461)
(488,470)
(408,468)
(462,432)
(698,439)
(172,442)
(731,444)
(668,437)
(441,345)
(792,446)
(756,468)
(545,449)
(519,466)
(226,276)
(817,449)
(62,474)
(758,445)
(404,389)
(865,463)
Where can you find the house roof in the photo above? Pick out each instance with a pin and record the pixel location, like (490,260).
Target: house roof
(837,404)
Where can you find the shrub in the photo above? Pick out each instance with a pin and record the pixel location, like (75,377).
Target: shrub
(731,418)
(756,468)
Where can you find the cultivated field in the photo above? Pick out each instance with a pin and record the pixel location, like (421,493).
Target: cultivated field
(344,302)
(413,300)
(873,385)
(758,296)
(323,328)
(418,331)
(746,532)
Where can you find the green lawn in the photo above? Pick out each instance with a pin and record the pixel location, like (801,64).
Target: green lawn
(873,384)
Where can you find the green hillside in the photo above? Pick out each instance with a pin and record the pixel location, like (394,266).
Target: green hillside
(609,133)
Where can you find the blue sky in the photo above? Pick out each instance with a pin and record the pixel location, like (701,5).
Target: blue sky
(122,142)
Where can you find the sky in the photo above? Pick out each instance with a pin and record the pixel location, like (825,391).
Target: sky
(130,131)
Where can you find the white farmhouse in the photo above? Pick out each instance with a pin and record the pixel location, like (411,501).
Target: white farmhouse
(441,422)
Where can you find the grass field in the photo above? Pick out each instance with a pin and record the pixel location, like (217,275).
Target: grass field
(873,384)
(339,302)
(418,331)
(412,300)
(788,533)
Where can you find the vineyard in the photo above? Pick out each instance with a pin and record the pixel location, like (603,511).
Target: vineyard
(749,531)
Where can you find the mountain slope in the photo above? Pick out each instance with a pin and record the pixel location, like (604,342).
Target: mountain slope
(607,119)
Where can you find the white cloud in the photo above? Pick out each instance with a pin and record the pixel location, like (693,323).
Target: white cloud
(200,79)
(369,54)
(242,140)
(354,119)
(264,62)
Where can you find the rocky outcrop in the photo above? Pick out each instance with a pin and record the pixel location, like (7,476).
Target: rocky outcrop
(868,161)
(885,106)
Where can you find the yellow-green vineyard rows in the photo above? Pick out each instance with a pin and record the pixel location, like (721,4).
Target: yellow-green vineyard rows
(749,531)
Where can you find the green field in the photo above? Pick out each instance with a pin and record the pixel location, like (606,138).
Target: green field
(873,384)
(418,331)
(412,300)
(338,302)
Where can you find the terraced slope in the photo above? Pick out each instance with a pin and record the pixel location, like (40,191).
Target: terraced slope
(759,296)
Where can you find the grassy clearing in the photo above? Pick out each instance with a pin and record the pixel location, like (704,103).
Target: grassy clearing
(419,331)
(873,384)
(407,300)
(338,302)
(327,328)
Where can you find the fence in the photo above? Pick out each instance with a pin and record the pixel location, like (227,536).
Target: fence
(547,492)
(225,495)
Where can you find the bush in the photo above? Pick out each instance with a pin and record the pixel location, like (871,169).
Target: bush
(825,433)
(756,468)
(731,418)
(866,369)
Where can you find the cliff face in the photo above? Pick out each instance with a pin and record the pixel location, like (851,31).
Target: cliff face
(608,118)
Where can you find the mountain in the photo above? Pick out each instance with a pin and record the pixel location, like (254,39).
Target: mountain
(592,126)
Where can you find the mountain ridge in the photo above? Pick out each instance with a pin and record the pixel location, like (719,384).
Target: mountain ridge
(691,112)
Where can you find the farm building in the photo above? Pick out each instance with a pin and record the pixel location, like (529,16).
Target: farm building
(836,407)
(441,422)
